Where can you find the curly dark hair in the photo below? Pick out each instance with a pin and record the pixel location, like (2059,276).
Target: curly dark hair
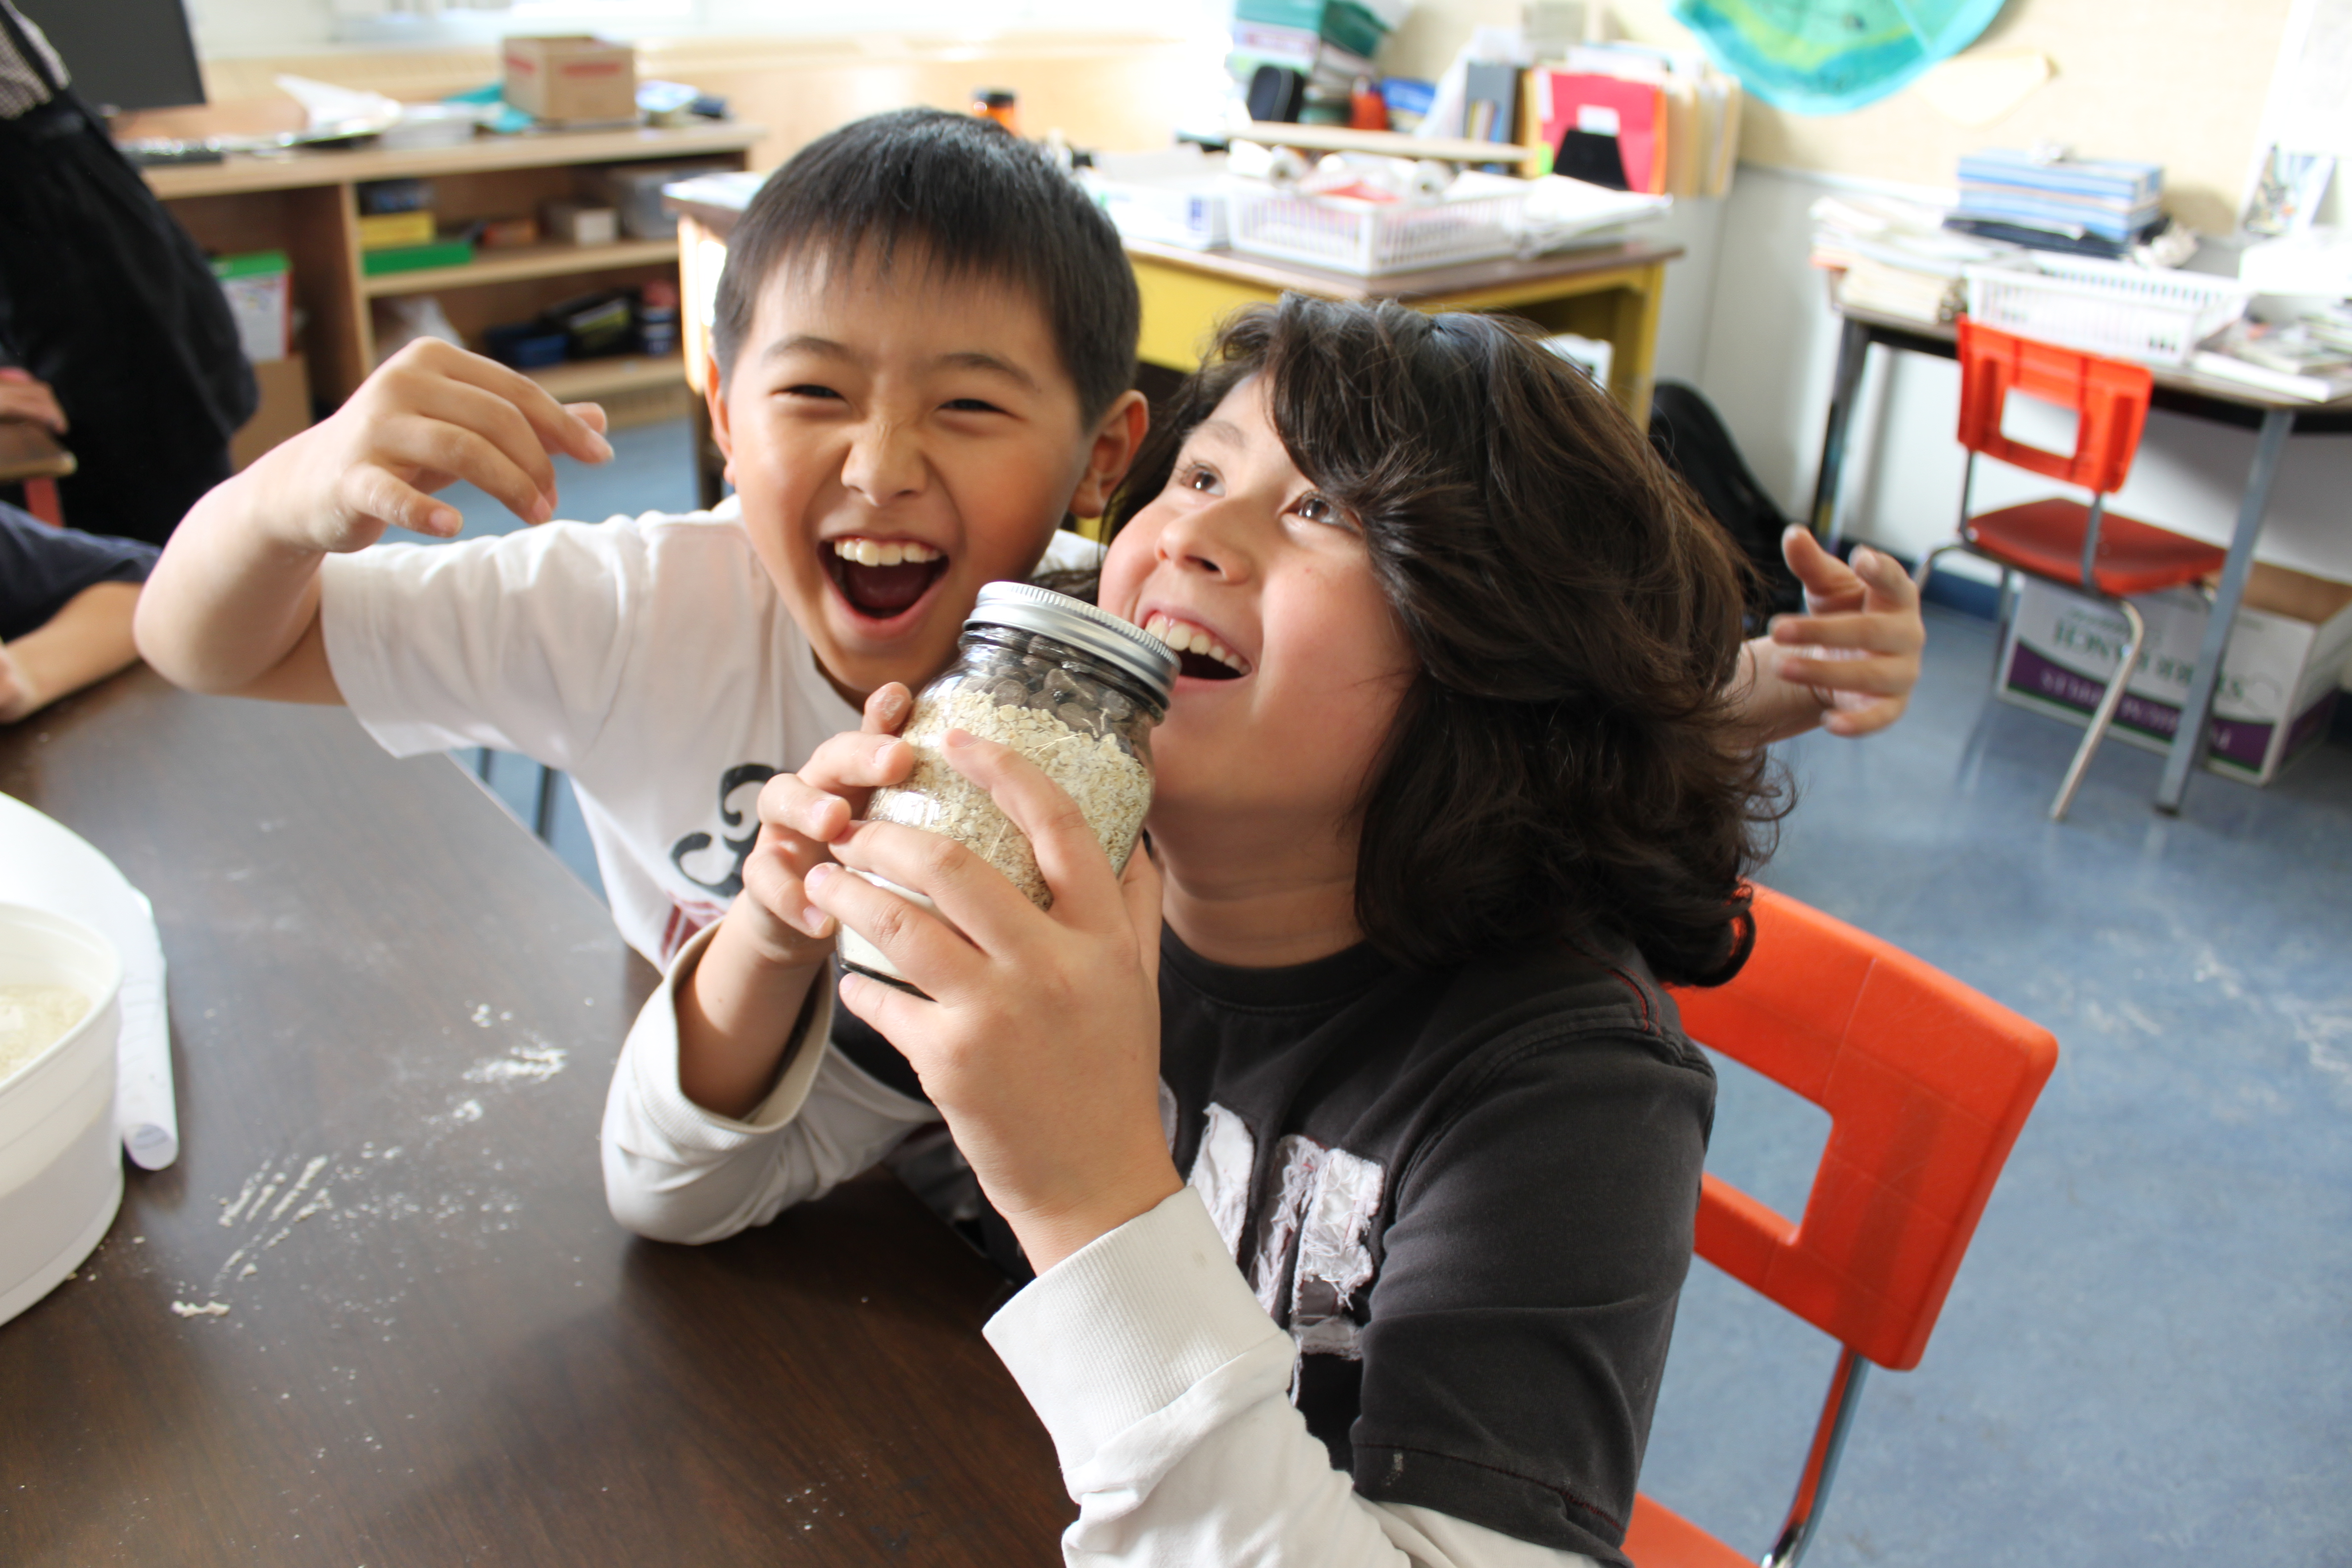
(1565,767)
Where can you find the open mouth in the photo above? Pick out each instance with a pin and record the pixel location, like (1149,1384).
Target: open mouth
(1198,653)
(884,578)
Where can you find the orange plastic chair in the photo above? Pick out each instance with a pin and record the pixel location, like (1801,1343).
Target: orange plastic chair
(1926,1083)
(2060,540)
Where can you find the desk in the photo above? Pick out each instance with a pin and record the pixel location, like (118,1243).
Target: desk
(2177,390)
(1610,291)
(394,1011)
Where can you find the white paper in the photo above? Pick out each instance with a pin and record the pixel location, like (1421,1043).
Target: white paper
(47,865)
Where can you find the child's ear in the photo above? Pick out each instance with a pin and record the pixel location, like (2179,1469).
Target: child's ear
(714,396)
(1116,437)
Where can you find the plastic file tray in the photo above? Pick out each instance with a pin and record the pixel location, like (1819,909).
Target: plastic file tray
(2107,307)
(1479,217)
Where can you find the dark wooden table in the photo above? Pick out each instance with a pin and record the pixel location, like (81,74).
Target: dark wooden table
(393,1017)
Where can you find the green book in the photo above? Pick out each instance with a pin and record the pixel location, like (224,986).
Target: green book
(416,257)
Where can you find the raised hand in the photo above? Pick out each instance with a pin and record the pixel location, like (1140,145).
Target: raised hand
(1856,649)
(431,415)
(1038,1034)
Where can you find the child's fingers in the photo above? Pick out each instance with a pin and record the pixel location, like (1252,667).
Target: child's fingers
(555,427)
(860,760)
(929,953)
(1866,720)
(775,876)
(1824,575)
(373,494)
(591,414)
(1069,855)
(987,912)
(886,709)
(1874,676)
(1878,632)
(495,421)
(1140,887)
(1891,587)
(437,446)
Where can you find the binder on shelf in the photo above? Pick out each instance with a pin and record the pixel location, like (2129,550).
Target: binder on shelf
(1576,115)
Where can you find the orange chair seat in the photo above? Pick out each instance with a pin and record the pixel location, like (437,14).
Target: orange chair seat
(2045,538)
(1658,1537)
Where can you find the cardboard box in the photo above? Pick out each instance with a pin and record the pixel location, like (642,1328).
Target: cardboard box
(2279,676)
(261,291)
(284,410)
(572,79)
(575,223)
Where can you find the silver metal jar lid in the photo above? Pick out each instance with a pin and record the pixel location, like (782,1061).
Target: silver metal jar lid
(1027,607)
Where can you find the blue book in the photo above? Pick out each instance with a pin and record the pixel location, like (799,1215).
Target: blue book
(2117,178)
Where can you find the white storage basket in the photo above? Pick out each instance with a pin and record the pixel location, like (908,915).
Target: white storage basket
(1479,217)
(2106,307)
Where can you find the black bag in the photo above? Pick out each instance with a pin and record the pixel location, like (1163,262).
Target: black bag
(1690,435)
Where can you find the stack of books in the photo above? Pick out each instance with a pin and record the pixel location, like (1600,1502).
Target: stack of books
(1328,43)
(2081,206)
(1895,258)
(2309,359)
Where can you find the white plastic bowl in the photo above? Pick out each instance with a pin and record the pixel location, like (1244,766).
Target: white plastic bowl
(60,1160)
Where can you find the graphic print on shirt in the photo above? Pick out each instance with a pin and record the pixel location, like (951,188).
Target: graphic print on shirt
(1316,1232)
(732,883)
(688,916)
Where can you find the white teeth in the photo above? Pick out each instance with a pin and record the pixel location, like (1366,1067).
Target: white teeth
(871,552)
(1191,639)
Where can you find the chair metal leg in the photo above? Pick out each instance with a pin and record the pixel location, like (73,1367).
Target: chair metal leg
(1928,564)
(2109,701)
(1820,1462)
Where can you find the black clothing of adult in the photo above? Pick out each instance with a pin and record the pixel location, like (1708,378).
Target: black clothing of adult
(1468,1195)
(104,297)
(42,567)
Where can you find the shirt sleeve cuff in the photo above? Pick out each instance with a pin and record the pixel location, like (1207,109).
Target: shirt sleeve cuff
(652,1050)
(1124,1326)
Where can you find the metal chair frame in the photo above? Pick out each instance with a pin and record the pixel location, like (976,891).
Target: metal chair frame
(2112,699)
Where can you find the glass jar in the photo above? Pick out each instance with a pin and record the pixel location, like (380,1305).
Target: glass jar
(1074,690)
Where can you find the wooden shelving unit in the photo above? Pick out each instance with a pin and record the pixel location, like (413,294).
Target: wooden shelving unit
(586,380)
(527,261)
(307,205)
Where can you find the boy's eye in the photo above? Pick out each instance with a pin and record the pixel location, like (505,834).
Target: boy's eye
(971,406)
(810,389)
(1316,508)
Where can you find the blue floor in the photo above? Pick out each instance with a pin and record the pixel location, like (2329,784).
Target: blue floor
(2147,1354)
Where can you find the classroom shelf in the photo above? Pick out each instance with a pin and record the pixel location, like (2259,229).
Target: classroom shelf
(582,381)
(550,259)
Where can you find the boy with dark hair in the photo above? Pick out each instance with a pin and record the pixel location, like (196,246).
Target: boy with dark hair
(925,339)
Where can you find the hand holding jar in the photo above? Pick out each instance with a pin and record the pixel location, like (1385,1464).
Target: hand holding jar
(1024,988)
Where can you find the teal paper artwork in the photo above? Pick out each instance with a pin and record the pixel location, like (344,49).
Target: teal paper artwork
(1826,57)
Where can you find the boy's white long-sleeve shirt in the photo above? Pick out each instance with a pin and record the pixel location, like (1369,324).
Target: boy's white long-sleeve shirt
(1163,1383)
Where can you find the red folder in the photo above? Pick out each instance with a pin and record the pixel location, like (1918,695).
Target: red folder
(1632,112)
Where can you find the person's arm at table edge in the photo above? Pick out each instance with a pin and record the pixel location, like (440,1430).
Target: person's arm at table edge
(676,1172)
(88,639)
